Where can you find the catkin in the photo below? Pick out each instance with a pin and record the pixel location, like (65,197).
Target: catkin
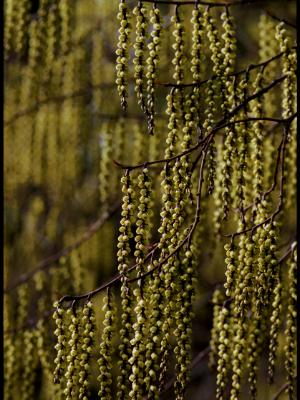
(122,52)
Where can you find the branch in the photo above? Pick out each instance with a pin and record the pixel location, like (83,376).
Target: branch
(32,323)
(194,224)
(243,71)
(282,389)
(207,141)
(57,99)
(205,3)
(163,160)
(279,207)
(199,357)
(279,19)
(45,264)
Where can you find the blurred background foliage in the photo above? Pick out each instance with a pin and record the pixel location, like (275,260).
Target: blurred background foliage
(63,129)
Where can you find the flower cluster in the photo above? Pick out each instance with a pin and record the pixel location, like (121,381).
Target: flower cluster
(105,360)
(122,53)
(139,48)
(152,63)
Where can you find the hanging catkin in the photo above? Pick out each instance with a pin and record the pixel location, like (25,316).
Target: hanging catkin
(152,64)
(126,301)
(291,326)
(105,359)
(122,53)
(140,12)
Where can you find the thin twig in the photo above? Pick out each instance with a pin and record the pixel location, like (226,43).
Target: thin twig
(279,19)
(234,74)
(205,3)
(45,264)
(199,357)
(282,389)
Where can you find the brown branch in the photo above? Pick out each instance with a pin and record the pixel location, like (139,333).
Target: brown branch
(116,278)
(207,140)
(194,224)
(290,249)
(205,3)
(88,89)
(280,203)
(199,357)
(234,74)
(163,160)
(197,145)
(45,264)
(271,15)
(282,389)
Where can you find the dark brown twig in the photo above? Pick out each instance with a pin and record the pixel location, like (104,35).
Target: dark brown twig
(45,264)
(282,389)
(205,3)
(199,357)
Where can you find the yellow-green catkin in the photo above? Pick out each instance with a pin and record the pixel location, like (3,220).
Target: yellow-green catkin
(77,270)
(241,304)
(143,223)
(242,146)
(256,141)
(21,322)
(197,60)
(291,326)
(87,322)
(266,264)
(179,59)
(253,352)
(197,45)
(106,349)
(209,112)
(9,358)
(53,40)
(230,261)
(268,47)
(152,64)
(178,46)
(228,103)
(137,359)
(140,12)
(8,342)
(40,279)
(163,277)
(21,23)
(183,331)
(72,355)
(275,320)
(213,88)
(9,26)
(66,11)
(140,144)
(171,221)
(289,107)
(126,300)
(61,346)
(122,53)
(30,361)
(217,299)
(105,174)
(223,356)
